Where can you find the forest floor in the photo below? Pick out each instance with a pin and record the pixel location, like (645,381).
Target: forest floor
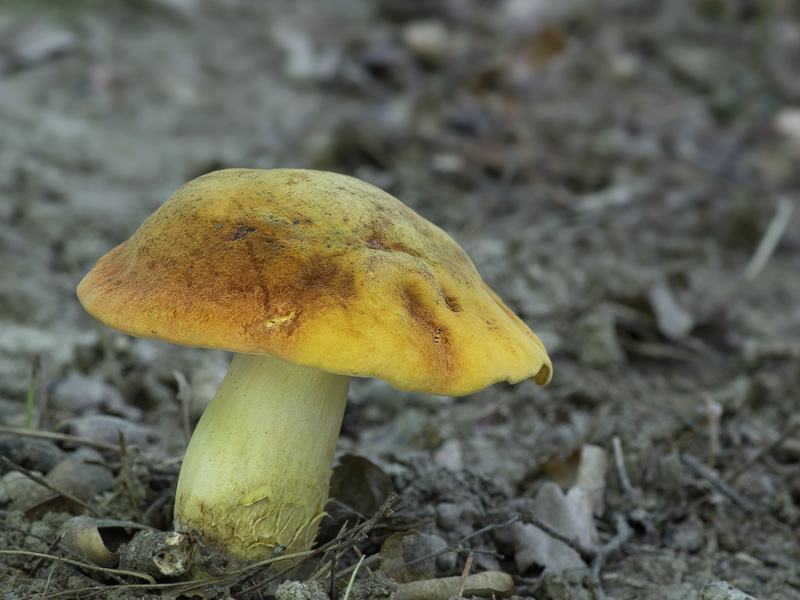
(623,173)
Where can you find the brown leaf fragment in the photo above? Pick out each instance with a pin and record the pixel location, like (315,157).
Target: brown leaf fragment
(490,584)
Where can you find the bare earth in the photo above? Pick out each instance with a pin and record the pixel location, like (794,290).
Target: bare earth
(623,173)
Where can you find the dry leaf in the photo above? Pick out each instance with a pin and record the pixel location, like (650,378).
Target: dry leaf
(490,584)
(571,514)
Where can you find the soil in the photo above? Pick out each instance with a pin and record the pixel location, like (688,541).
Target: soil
(623,173)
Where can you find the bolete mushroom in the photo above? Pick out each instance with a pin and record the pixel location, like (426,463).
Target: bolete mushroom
(311,278)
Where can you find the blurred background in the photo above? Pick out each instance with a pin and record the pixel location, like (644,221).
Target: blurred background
(623,173)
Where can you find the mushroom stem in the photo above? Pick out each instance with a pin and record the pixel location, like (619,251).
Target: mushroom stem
(257,469)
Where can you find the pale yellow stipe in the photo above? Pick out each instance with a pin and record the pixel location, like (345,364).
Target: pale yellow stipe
(257,469)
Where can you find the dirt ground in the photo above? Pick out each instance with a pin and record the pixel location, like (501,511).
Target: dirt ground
(623,173)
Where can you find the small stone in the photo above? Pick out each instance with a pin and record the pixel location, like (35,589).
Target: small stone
(82,474)
(82,394)
(106,428)
(32,453)
(301,590)
(449,455)
(721,590)
(20,490)
(448,516)
(596,339)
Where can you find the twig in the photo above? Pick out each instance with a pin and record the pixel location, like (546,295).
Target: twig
(595,557)
(462,583)
(721,486)
(624,533)
(367,561)
(50,548)
(587,553)
(36,367)
(487,529)
(126,474)
(177,586)
(769,242)
(793,427)
(25,532)
(622,473)
(322,566)
(457,546)
(78,563)
(332,579)
(59,437)
(42,481)
(232,578)
(47,583)
(50,545)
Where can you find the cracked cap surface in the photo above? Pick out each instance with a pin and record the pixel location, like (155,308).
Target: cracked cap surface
(319,269)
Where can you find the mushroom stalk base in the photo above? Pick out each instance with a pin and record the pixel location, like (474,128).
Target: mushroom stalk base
(257,469)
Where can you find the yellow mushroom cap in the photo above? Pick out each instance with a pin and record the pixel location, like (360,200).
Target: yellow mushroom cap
(319,269)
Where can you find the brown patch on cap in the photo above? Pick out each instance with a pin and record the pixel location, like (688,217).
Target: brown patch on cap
(320,269)
(451,302)
(423,319)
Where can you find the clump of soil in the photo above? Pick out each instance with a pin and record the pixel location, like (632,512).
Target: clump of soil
(623,174)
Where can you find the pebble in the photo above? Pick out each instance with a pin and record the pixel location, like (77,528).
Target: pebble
(106,428)
(31,453)
(83,394)
(721,590)
(425,544)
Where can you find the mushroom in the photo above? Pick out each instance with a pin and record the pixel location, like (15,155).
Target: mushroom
(310,278)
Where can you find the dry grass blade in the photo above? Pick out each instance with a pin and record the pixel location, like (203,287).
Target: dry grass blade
(167,589)
(59,437)
(126,473)
(353,578)
(185,397)
(793,427)
(622,473)
(769,242)
(77,563)
(36,368)
(720,485)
